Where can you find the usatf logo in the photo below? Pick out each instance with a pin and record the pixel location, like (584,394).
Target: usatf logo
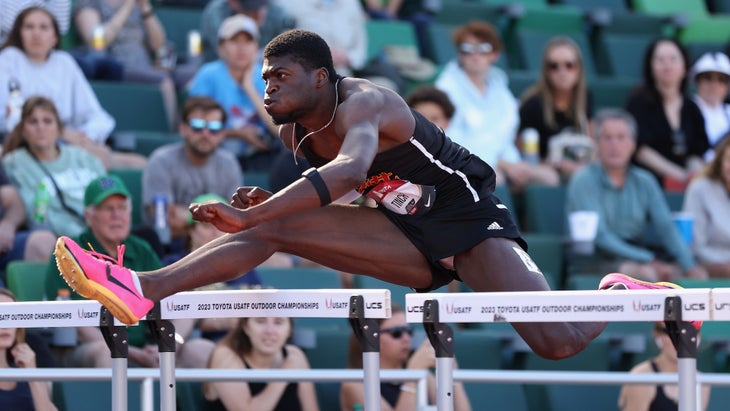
(335,305)
(87,314)
(171,306)
(639,307)
(456,309)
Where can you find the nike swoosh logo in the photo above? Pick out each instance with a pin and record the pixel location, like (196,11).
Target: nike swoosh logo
(117,282)
(428,201)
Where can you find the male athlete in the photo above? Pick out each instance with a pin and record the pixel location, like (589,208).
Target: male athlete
(436,218)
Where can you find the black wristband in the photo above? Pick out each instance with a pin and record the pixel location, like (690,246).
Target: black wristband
(313,176)
(149,13)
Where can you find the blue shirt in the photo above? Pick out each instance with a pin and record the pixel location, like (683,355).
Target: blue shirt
(627,213)
(215,81)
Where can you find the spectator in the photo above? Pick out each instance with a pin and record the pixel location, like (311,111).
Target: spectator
(9,10)
(708,201)
(645,397)
(15,353)
(629,203)
(433,104)
(396,353)
(711,74)
(486,117)
(185,170)
(259,343)
(560,102)
(17,243)
(672,137)
(38,165)
(30,59)
(270,18)
(132,33)
(108,214)
(235,82)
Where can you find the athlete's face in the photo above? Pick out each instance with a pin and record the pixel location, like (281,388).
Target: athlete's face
(289,89)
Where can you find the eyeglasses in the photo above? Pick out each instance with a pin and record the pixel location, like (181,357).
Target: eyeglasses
(556,65)
(480,48)
(198,125)
(398,332)
(718,77)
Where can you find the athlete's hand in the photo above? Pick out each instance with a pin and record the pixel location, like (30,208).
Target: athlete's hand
(246,197)
(222,216)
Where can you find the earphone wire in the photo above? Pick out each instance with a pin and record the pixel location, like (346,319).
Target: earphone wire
(293,130)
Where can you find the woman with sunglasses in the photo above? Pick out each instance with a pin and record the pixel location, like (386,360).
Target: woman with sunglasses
(665,397)
(486,117)
(37,162)
(396,352)
(259,343)
(29,59)
(559,100)
(672,139)
(711,74)
(15,353)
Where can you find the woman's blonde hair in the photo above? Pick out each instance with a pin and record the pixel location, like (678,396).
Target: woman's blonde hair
(577,112)
(16,139)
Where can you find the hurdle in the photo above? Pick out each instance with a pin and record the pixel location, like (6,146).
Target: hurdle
(361,308)
(672,306)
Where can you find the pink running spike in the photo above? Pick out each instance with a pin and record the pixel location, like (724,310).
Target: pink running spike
(100,277)
(630,283)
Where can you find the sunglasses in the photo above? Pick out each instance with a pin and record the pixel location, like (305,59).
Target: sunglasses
(718,77)
(556,65)
(198,125)
(398,332)
(481,48)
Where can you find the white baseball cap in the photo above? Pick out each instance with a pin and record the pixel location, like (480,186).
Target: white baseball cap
(716,62)
(239,23)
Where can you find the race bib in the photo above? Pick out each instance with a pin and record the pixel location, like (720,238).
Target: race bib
(403,197)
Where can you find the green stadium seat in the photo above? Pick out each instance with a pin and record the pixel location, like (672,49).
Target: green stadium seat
(693,8)
(521,80)
(382,33)
(440,48)
(621,55)
(545,209)
(190,396)
(97,395)
(547,251)
(595,357)
(145,142)
(134,106)
(615,6)
(611,91)
(526,47)
(579,397)
(702,26)
(257,178)
(132,179)
(178,22)
(26,279)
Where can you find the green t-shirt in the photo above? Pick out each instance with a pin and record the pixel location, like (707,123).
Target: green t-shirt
(138,255)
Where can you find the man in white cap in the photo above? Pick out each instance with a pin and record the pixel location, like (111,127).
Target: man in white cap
(711,74)
(234,81)
(270,18)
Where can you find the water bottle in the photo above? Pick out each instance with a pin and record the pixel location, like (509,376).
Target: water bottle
(64,336)
(41,203)
(98,41)
(14,104)
(531,146)
(160,223)
(195,46)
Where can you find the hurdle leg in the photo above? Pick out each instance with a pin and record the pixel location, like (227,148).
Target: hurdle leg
(684,339)
(367,332)
(441,337)
(116,339)
(163,331)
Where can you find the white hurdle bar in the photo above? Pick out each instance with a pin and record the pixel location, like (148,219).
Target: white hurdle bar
(361,307)
(436,309)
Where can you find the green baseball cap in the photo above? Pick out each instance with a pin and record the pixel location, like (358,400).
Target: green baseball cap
(102,187)
(203,198)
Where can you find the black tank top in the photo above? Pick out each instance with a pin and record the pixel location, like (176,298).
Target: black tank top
(17,399)
(289,400)
(661,402)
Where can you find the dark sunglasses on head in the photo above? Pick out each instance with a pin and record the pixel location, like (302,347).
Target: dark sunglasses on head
(555,65)
(469,48)
(397,332)
(718,77)
(198,125)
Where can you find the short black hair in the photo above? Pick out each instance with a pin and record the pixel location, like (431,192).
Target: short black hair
(430,94)
(304,47)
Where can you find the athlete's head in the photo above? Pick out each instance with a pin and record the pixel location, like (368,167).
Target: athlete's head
(305,48)
(298,72)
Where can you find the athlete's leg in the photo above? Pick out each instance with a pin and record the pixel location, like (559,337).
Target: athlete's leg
(347,238)
(495,265)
